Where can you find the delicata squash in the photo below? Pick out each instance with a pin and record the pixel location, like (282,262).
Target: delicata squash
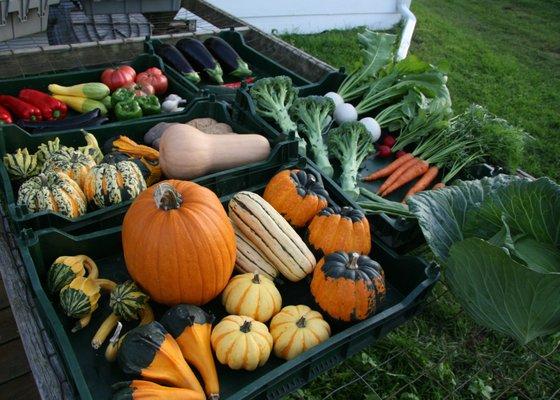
(191,327)
(150,352)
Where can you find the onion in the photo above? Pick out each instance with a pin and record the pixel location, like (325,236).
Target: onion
(335,97)
(345,113)
(372,127)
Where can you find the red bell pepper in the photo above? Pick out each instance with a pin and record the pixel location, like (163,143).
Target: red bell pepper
(20,108)
(5,117)
(50,107)
(236,85)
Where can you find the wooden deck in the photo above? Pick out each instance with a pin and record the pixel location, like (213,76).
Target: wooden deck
(16,379)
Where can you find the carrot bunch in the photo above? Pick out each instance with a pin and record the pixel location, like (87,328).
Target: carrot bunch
(425,162)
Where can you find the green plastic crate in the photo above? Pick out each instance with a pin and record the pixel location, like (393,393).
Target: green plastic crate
(93,74)
(409,280)
(261,65)
(12,138)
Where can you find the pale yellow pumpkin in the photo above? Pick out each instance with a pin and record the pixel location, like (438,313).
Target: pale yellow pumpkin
(241,342)
(296,329)
(253,295)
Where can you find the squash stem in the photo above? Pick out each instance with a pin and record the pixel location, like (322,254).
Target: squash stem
(246,327)
(256,278)
(166,197)
(353,261)
(91,267)
(301,322)
(82,323)
(104,330)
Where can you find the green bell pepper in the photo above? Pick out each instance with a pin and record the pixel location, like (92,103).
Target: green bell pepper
(149,104)
(128,110)
(121,94)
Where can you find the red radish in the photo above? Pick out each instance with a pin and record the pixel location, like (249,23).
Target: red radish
(401,153)
(384,151)
(389,141)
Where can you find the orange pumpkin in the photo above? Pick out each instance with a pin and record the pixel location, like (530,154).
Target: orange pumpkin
(178,243)
(348,286)
(297,195)
(340,229)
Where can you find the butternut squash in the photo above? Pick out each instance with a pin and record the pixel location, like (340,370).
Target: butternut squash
(187,153)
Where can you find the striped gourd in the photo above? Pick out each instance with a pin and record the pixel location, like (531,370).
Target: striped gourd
(46,149)
(92,148)
(250,258)
(127,300)
(21,165)
(72,162)
(53,191)
(108,184)
(272,235)
(80,297)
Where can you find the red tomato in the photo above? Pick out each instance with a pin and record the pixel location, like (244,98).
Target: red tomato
(140,89)
(116,78)
(154,77)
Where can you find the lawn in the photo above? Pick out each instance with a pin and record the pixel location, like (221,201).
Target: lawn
(504,55)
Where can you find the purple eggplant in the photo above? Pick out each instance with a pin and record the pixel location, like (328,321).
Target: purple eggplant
(201,59)
(177,61)
(228,58)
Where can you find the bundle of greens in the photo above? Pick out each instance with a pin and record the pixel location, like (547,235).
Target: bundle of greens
(350,144)
(499,242)
(312,115)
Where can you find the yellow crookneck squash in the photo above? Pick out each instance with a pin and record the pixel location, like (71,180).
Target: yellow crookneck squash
(297,195)
(146,390)
(192,327)
(179,245)
(150,352)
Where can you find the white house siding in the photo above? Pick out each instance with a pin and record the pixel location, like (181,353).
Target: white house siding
(310,16)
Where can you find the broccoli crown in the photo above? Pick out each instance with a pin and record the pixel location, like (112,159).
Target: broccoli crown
(312,114)
(273,98)
(350,143)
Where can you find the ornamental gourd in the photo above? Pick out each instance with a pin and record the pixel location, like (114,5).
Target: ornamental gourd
(178,243)
(297,195)
(191,328)
(65,268)
(21,165)
(52,191)
(71,162)
(108,184)
(241,342)
(150,352)
(272,235)
(139,389)
(253,295)
(340,229)
(348,286)
(45,150)
(296,329)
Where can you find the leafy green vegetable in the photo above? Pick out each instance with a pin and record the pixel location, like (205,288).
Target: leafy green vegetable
(499,239)
(377,49)
(312,115)
(273,98)
(350,143)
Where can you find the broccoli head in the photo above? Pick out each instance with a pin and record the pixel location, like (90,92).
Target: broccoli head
(350,144)
(312,115)
(273,98)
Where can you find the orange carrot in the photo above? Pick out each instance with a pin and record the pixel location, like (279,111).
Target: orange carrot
(437,186)
(415,171)
(423,182)
(389,169)
(398,172)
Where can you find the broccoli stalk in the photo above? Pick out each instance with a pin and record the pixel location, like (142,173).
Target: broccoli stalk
(313,117)
(350,143)
(273,98)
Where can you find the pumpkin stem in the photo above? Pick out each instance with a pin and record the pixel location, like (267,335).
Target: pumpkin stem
(311,180)
(166,197)
(301,322)
(353,261)
(256,278)
(246,327)
(43,178)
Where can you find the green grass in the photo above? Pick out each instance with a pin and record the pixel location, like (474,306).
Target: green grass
(504,55)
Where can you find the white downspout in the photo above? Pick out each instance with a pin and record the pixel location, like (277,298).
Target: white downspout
(403,6)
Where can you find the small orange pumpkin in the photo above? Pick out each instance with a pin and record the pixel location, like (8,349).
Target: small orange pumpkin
(340,229)
(348,286)
(178,243)
(297,195)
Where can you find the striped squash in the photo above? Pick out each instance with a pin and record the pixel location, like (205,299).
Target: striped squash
(250,259)
(72,162)
(272,235)
(108,184)
(53,191)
